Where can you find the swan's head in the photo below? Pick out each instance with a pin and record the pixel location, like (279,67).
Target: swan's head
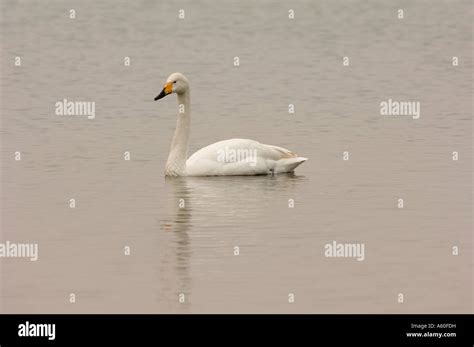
(175,83)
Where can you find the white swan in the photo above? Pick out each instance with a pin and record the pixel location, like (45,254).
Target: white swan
(223,158)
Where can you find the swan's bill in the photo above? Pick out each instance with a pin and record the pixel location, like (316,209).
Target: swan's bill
(167,89)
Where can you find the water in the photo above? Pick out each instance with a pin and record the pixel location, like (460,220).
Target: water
(190,250)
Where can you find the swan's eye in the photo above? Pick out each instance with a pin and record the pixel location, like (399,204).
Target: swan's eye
(174,82)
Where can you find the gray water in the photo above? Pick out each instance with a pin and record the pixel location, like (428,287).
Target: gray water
(190,249)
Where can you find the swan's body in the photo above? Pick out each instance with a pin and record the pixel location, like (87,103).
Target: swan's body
(224,158)
(251,158)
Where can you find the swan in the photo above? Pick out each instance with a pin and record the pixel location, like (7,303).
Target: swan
(234,157)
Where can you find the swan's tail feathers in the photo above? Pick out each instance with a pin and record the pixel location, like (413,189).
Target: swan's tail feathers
(289,164)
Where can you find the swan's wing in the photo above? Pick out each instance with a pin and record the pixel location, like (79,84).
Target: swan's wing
(241,157)
(212,151)
(284,152)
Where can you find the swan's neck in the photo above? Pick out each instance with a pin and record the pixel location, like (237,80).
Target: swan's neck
(176,164)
